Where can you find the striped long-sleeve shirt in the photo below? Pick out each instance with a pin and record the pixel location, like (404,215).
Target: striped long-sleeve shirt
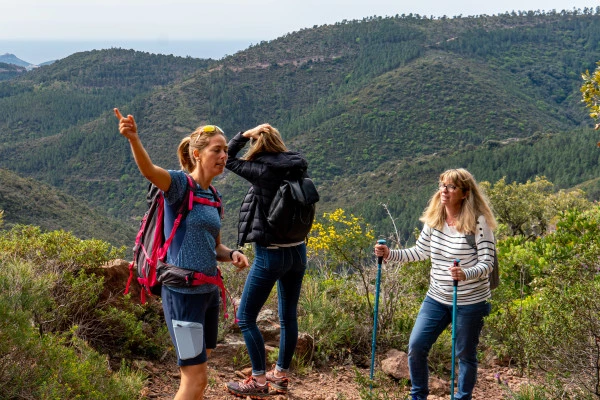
(443,247)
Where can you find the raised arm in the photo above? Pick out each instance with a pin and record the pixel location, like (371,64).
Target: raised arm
(248,170)
(155,174)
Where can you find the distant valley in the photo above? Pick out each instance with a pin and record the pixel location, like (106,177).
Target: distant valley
(379,106)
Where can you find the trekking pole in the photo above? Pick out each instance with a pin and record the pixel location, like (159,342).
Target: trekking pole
(373,342)
(455,283)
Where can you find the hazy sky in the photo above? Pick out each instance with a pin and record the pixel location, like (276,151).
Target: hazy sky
(243,21)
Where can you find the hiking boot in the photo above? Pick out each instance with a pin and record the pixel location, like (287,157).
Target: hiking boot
(248,388)
(279,384)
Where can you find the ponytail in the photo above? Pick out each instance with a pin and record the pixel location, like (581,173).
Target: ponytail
(186,161)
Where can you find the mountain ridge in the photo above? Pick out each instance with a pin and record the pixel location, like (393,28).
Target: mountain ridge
(12,59)
(350,96)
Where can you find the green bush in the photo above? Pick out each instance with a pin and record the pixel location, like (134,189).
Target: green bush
(49,365)
(335,315)
(55,330)
(554,322)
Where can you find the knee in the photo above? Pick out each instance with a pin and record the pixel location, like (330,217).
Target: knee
(192,389)
(244,323)
(198,385)
(196,389)
(194,380)
(468,356)
(417,348)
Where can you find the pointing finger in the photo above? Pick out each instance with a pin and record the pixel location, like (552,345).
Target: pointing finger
(118,113)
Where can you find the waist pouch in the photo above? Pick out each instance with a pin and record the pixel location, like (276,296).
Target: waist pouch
(172,275)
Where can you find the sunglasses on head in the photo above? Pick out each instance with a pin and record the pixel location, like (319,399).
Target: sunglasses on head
(208,129)
(211,128)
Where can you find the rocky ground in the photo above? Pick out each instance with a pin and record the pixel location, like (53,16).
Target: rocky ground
(329,383)
(334,382)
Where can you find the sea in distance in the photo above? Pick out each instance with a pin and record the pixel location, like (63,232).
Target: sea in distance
(40,51)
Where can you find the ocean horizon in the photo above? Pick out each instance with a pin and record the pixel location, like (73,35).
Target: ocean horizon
(40,51)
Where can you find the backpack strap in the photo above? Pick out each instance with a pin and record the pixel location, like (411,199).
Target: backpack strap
(217,203)
(471,241)
(183,211)
(184,208)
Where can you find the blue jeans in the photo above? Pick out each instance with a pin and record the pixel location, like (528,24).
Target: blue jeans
(284,266)
(433,318)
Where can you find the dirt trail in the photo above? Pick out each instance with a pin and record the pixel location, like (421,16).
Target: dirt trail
(330,383)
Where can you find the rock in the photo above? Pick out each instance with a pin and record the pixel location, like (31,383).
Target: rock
(438,387)
(305,346)
(116,274)
(396,364)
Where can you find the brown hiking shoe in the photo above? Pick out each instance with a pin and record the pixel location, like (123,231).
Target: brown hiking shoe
(248,388)
(279,384)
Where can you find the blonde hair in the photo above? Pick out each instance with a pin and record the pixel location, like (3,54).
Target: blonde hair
(474,204)
(198,139)
(269,141)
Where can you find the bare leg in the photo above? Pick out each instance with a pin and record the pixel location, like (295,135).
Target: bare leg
(194,380)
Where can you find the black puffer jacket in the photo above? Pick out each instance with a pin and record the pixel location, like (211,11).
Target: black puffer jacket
(265,172)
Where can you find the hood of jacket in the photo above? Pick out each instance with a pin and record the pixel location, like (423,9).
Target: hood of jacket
(290,161)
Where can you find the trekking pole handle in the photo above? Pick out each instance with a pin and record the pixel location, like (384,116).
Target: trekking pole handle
(380,259)
(456,264)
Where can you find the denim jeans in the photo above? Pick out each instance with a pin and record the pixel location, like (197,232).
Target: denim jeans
(433,318)
(284,266)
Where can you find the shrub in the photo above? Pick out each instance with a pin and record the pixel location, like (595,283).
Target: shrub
(555,323)
(49,365)
(333,313)
(53,325)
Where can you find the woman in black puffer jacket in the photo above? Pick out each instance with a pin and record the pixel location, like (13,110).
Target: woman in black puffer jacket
(265,165)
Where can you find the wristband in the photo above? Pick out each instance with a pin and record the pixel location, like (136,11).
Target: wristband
(232,251)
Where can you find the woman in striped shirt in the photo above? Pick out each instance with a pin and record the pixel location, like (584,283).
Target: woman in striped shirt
(459,208)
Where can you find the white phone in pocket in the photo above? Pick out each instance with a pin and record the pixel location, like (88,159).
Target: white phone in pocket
(189,337)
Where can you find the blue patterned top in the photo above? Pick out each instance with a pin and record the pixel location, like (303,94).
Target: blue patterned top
(194,244)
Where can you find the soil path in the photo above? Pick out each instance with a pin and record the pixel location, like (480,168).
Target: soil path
(329,383)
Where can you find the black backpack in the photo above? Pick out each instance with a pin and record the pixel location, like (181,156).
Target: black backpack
(292,210)
(495,275)
(151,245)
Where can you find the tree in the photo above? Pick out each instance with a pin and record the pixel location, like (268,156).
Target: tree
(528,209)
(591,93)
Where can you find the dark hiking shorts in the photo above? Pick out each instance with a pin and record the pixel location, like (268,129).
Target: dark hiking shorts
(193,322)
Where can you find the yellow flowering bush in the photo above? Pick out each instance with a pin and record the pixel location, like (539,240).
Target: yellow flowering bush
(590,91)
(339,239)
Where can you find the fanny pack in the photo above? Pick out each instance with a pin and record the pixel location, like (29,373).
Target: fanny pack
(172,275)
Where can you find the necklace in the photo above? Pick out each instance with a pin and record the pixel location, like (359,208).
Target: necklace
(451,221)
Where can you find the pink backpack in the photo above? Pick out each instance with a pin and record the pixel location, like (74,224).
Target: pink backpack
(151,247)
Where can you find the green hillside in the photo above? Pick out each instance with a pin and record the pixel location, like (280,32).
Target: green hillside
(405,186)
(353,97)
(81,88)
(9,71)
(26,201)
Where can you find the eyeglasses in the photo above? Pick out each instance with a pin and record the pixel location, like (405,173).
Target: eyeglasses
(450,188)
(208,129)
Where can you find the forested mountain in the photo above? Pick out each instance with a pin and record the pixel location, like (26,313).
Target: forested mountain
(26,201)
(379,107)
(9,71)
